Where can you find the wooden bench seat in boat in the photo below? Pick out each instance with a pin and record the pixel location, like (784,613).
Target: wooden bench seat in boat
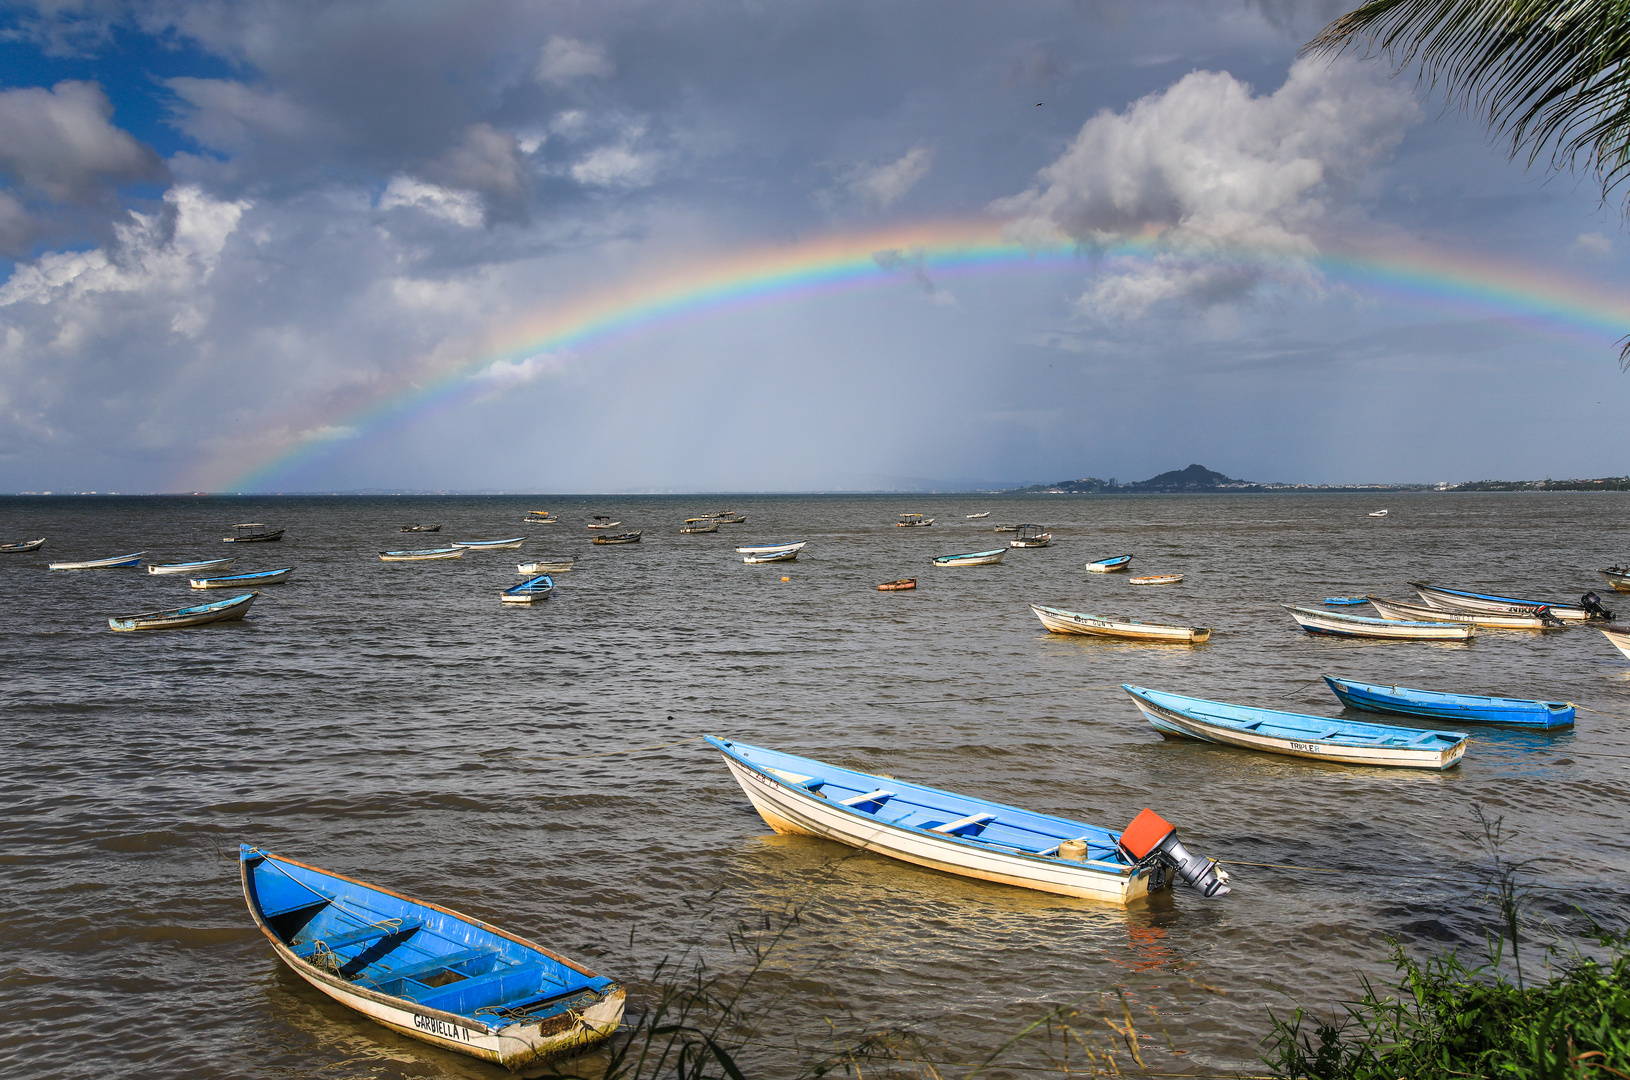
(971,823)
(425,968)
(306,950)
(484,991)
(858,802)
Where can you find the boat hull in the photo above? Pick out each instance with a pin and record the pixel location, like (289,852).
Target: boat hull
(492,545)
(1469,601)
(772,557)
(791,810)
(422,556)
(1392,609)
(203,614)
(1462,708)
(238,581)
(528,592)
(546,567)
(254,538)
(1110,566)
(1617,577)
(1339,625)
(1059,621)
(975,558)
(1619,636)
(1184,724)
(192,567)
(770,549)
(898,586)
(623,538)
(114,563)
(22,546)
(1156,579)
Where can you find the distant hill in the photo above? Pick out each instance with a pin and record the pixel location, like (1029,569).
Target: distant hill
(1193,478)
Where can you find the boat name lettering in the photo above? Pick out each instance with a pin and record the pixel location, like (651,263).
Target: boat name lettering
(440,1027)
(1311,748)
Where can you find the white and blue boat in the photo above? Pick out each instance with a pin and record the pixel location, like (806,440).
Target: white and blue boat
(1345,601)
(199,567)
(259,577)
(972,558)
(1340,624)
(116,561)
(490,545)
(422,555)
(426,971)
(529,591)
(961,834)
(233,607)
(770,549)
(1297,735)
(1439,597)
(1466,708)
(1110,565)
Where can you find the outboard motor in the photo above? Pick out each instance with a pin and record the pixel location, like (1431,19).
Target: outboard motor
(1593,607)
(1546,618)
(1152,839)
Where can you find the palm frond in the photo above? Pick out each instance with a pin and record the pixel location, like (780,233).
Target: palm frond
(1552,75)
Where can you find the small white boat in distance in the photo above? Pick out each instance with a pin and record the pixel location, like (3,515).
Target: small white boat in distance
(1110,565)
(1315,621)
(972,558)
(259,532)
(100,564)
(1155,579)
(696,526)
(238,581)
(203,566)
(1031,536)
(490,545)
(770,549)
(422,555)
(1060,621)
(1619,636)
(528,592)
(974,517)
(22,546)
(220,611)
(557,566)
(1378,513)
(790,555)
(601,521)
(914,521)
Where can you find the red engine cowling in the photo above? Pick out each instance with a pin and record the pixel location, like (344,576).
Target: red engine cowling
(1152,836)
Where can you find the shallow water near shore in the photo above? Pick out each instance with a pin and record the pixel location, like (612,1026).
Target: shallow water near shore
(391,721)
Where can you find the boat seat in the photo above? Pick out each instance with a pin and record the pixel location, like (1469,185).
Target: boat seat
(494,988)
(435,963)
(1422,737)
(880,796)
(957,827)
(367,933)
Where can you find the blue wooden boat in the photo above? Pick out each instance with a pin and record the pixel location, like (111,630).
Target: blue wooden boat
(529,591)
(116,561)
(1346,600)
(1588,608)
(1471,708)
(1110,565)
(1297,735)
(426,971)
(962,834)
(491,545)
(972,558)
(233,607)
(422,554)
(259,577)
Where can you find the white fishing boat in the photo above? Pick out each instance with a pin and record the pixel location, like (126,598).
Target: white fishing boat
(1155,579)
(546,566)
(696,526)
(491,545)
(422,555)
(239,581)
(770,549)
(1378,513)
(603,522)
(1315,621)
(789,555)
(914,521)
(965,835)
(1031,536)
(235,607)
(540,517)
(972,558)
(975,517)
(1619,636)
(1461,600)
(117,561)
(203,566)
(1538,619)
(1110,565)
(1060,621)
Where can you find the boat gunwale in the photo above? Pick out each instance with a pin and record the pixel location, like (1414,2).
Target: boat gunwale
(1429,699)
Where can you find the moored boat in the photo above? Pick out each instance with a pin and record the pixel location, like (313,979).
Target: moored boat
(1031,536)
(1006,528)
(1060,621)
(1619,636)
(491,545)
(620,538)
(1339,624)
(1346,600)
(1109,565)
(1617,576)
(1296,734)
(789,555)
(22,545)
(601,521)
(199,567)
(975,517)
(699,525)
(421,528)
(529,591)
(972,558)
(1465,708)
(238,581)
(115,562)
(1589,607)
(728,517)
(1521,619)
(259,533)
(547,566)
(914,521)
(235,607)
(767,549)
(1155,579)
(898,586)
(426,971)
(1378,513)
(964,835)
(422,555)
(540,517)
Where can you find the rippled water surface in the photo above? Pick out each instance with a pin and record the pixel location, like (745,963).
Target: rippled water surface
(393,722)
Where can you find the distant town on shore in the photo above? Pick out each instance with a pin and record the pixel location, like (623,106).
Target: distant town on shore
(1197,478)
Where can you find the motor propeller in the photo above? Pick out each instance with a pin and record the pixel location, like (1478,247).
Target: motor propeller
(1151,838)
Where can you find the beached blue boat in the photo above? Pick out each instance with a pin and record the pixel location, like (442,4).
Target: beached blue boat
(1110,565)
(529,591)
(1457,707)
(230,581)
(426,971)
(233,607)
(963,834)
(1296,734)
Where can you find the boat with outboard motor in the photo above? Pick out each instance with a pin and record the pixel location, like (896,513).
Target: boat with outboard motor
(1338,624)
(1110,565)
(770,549)
(1320,738)
(426,971)
(238,581)
(1060,621)
(235,607)
(21,546)
(1522,619)
(972,558)
(422,555)
(1619,636)
(259,533)
(1031,536)
(528,592)
(789,555)
(491,545)
(965,835)
(199,567)
(115,562)
(1465,708)
(1589,608)
(1618,577)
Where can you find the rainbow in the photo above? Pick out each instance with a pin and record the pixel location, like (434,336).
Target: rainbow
(845,262)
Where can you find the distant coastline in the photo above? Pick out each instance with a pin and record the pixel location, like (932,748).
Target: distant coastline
(1198,478)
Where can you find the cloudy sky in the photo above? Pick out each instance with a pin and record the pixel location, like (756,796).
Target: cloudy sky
(293,245)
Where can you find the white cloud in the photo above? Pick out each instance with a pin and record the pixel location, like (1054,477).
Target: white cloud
(564,59)
(1208,170)
(503,375)
(615,167)
(459,207)
(1592,243)
(882,185)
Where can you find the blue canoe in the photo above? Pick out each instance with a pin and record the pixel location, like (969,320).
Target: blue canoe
(529,591)
(1296,734)
(426,971)
(1373,697)
(1105,566)
(1346,600)
(259,577)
